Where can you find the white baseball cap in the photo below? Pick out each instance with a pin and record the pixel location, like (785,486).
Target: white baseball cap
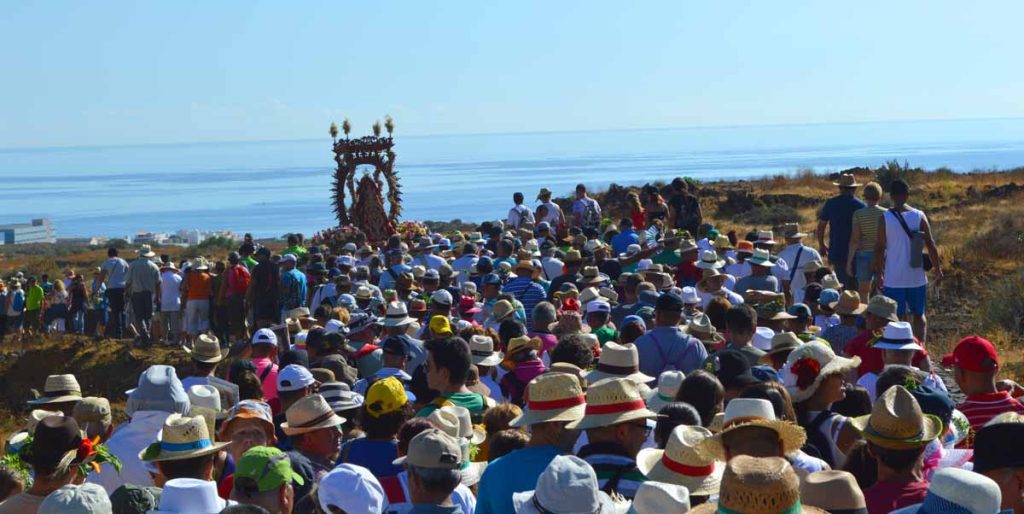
(294,377)
(763,338)
(289,257)
(334,326)
(264,336)
(85,498)
(442,296)
(598,306)
(351,488)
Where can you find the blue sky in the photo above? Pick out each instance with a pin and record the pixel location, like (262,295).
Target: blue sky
(85,73)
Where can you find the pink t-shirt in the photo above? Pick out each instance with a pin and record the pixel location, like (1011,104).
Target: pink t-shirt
(270,382)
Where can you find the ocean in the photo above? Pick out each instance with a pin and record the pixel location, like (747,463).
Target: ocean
(270,188)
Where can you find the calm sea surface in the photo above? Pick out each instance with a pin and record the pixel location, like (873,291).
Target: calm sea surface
(270,188)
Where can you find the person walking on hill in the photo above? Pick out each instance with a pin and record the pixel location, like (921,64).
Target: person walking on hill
(519,214)
(837,216)
(113,273)
(863,236)
(553,215)
(684,207)
(899,259)
(585,210)
(144,284)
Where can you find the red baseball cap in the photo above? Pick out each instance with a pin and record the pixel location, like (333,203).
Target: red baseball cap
(973,353)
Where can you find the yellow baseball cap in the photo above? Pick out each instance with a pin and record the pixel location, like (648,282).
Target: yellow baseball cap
(385,396)
(439,325)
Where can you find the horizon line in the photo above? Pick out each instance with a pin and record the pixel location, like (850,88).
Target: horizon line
(524,132)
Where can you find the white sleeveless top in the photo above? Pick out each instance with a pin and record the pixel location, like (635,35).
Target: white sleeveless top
(898,272)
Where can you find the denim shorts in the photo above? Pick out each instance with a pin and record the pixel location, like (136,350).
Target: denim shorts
(862,265)
(913,299)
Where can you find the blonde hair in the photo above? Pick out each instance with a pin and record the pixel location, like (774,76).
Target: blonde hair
(872,191)
(634,200)
(58,285)
(1006,417)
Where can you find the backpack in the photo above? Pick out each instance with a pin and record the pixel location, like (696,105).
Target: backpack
(591,215)
(393,490)
(817,443)
(241,278)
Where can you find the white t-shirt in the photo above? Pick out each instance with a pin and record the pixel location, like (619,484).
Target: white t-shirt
(898,272)
(170,291)
(518,215)
(705,298)
(869,381)
(554,214)
(796,287)
(552,267)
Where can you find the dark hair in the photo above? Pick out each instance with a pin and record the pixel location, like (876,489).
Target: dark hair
(741,318)
(703,392)
(111,252)
(452,354)
(387,425)
(899,187)
(186,468)
(673,415)
(716,310)
(437,479)
(630,333)
(896,374)
(573,350)
(204,368)
(897,460)
(856,403)
(411,428)
(9,481)
(517,197)
(775,393)
(249,385)
(506,441)
(508,329)
(861,464)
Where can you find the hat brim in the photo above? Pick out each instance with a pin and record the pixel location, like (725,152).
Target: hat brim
(851,312)
(597,375)
(854,184)
(798,235)
(531,417)
(838,365)
(153,453)
(932,429)
(604,420)
(792,436)
(523,503)
(709,265)
(767,357)
(891,317)
(207,359)
(471,474)
(332,421)
(492,360)
(648,461)
(599,279)
(55,399)
(764,263)
(712,508)
(391,322)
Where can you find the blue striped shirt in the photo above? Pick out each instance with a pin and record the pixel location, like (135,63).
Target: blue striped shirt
(528,292)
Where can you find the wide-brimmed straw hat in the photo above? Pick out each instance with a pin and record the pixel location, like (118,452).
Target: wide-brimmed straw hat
(612,401)
(758,485)
(59,389)
(897,422)
(762,258)
(765,237)
(552,397)
(849,304)
(808,365)
(669,383)
(831,281)
(481,351)
(618,361)
(897,335)
(501,310)
(722,242)
(834,491)
(792,231)
(309,414)
(708,274)
(781,342)
(568,484)
(709,260)
(700,327)
(754,412)
(182,437)
(206,349)
(397,315)
(592,277)
(146,251)
(200,264)
(847,180)
(681,463)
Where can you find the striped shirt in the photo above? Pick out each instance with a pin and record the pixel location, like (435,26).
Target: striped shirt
(981,408)
(528,292)
(609,461)
(866,221)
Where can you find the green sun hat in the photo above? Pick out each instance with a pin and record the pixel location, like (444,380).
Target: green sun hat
(264,468)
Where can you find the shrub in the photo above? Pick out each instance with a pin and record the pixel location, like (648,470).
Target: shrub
(893,170)
(771,215)
(1004,307)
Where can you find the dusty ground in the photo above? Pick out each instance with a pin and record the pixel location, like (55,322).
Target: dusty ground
(978,220)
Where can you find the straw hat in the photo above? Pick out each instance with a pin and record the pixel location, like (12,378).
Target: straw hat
(722,242)
(896,421)
(552,397)
(753,485)
(146,251)
(849,304)
(792,231)
(200,264)
(669,383)
(833,490)
(517,344)
(612,401)
(808,364)
(754,412)
(762,258)
(309,414)
(501,310)
(181,438)
(681,463)
(830,281)
(765,237)
(959,490)
(592,277)
(59,389)
(701,328)
(781,342)
(847,180)
(661,498)
(618,361)
(567,485)
(709,260)
(397,315)
(206,349)
(481,351)
(709,274)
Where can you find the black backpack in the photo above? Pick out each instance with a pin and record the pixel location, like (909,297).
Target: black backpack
(817,444)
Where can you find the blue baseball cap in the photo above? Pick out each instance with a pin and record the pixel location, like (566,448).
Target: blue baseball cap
(490,279)
(828,298)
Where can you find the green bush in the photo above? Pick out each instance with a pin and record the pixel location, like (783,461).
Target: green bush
(1004,307)
(893,170)
(770,215)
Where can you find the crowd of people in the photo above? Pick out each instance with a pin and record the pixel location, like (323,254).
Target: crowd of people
(552,362)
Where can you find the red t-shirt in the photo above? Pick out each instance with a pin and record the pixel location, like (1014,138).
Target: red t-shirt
(870,357)
(886,496)
(981,408)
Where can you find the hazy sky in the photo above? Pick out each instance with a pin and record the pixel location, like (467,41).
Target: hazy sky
(109,72)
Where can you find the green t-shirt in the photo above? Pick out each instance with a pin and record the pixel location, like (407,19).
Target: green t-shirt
(667,258)
(296,250)
(34,298)
(473,402)
(605,334)
(249,262)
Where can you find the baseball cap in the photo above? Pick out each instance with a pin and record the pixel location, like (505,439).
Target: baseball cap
(828,297)
(973,353)
(264,336)
(385,396)
(432,449)
(490,279)
(997,446)
(347,261)
(598,306)
(633,318)
(262,469)
(289,257)
(440,325)
(800,310)
(351,488)
(333,326)
(442,297)
(669,302)
(85,498)
(293,378)
(395,345)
